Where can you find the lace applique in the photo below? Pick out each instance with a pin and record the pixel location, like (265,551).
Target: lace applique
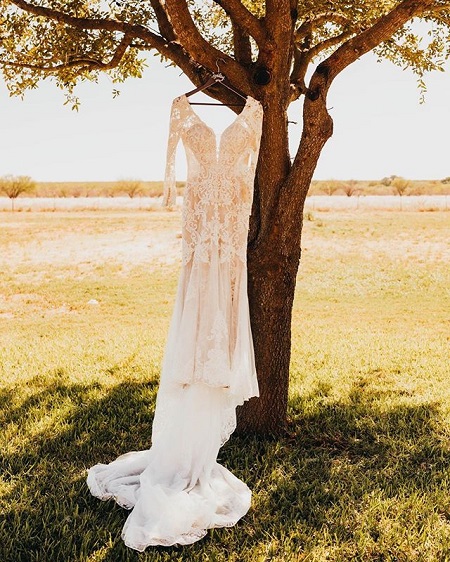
(219,188)
(212,361)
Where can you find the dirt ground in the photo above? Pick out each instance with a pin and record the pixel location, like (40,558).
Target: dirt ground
(154,240)
(85,240)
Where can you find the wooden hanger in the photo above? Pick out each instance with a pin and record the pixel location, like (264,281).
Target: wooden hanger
(215,78)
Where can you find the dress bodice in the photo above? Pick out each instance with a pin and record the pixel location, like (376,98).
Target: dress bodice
(219,187)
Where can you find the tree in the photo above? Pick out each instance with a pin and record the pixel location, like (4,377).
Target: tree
(400,185)
(388,180)
(275,51)
(330,187)
(13,186)
(350,187)
(131,187)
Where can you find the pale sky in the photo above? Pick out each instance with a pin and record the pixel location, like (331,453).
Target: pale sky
(379,127)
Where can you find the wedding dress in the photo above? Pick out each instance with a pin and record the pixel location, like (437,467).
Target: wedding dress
(176,489)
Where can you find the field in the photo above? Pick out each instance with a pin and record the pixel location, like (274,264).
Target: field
(85,302)
(136,188)
(423,203)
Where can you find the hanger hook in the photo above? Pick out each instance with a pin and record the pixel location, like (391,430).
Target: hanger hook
(217,65)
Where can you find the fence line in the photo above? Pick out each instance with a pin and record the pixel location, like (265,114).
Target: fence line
(379,202)
(313,203)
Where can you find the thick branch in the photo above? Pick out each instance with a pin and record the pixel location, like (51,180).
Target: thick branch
(276,13)
(165,27)
(438,9)
(202,51)
(241,45)
(317,123)
(303,58)
(173,50)
(298,72)
(241,17)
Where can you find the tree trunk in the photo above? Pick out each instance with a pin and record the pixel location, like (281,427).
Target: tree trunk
(271,288)
(271,282)
(273,259)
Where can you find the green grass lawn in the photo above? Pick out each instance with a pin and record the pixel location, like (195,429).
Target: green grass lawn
(364,474)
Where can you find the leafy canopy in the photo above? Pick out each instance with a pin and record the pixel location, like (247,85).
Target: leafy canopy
(75,40)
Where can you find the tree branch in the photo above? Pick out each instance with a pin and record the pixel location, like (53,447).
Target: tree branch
(119,53)
(367,40)
(137,31)
(298,73)
(317,123)
(326,44)
(276,13)
(82,62)
(244,19)
(171,49)
(200,50)
(79,23)
(309,26)
(304,56)
(185,59)
(188,35)
(88,63)
(165,27)
(438,9)
(241,45)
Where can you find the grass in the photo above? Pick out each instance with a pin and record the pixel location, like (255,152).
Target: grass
(364,474)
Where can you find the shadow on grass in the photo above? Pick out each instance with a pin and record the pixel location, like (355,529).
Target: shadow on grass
(329,483)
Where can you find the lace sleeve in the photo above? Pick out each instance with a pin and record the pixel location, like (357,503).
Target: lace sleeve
(255,123)
(170,190)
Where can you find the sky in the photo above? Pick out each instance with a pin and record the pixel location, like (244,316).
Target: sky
(380,128)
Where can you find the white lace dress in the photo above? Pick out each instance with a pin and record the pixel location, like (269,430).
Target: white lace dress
(176,489)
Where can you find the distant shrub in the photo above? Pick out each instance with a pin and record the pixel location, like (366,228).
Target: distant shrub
(388,180)
(400,185)
(330,187)
(13,186)
(131,187)
(350,187)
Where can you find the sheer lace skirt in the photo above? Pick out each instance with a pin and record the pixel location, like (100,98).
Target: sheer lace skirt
(176,489)
(210,338)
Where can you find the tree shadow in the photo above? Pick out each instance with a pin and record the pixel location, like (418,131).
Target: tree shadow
(47,498)
(337,455)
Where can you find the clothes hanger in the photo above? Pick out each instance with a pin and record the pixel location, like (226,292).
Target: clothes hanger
(214,79)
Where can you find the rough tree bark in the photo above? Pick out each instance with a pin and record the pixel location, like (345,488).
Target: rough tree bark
(286,47)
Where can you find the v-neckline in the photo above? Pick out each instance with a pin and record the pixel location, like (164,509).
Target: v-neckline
(217,136)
